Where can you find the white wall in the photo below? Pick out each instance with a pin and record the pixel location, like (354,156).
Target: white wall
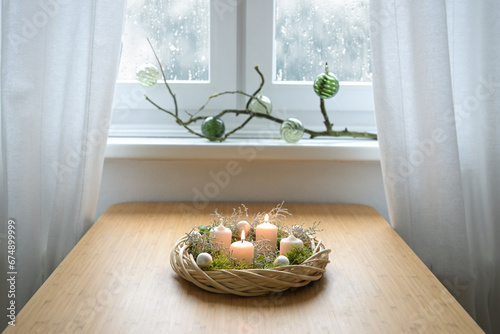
(265,181)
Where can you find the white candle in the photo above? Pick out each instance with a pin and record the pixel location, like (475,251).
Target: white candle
(287,243)
(242,250)
(267,231)
(222,235)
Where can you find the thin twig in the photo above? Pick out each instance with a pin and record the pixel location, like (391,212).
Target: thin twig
(239,127)
(214,96)
(329,132)
(195,119)
(262,81)
(327,122)
(179,121)
(165,79)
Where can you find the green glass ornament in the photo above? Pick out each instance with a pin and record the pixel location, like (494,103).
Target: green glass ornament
(326,84)
(263,107)
(292,130)
(213,127)
(147,74)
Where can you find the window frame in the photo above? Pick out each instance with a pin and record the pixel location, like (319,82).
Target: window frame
(248,28)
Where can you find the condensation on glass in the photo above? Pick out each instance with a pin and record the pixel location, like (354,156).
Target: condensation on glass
(179,31)
(312,32)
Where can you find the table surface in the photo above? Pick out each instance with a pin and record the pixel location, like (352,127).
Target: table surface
(118,279)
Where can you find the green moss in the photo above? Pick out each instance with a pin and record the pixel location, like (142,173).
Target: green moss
(222,261)
(264,253)
(203,229)
(263,262)
(297,256)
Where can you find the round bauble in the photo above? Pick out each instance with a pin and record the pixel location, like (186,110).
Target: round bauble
(261,105)
(326,85)
(147,74)
(297,230)
(292,130)
(213,127)
(281,260)
(203,260)
(243,226)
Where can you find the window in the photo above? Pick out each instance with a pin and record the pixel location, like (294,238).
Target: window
(308,33)
(212,46)
(181,32)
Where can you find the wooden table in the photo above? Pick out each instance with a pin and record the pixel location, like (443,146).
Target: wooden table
(118,280)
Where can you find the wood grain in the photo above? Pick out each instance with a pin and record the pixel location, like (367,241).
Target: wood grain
(118,280)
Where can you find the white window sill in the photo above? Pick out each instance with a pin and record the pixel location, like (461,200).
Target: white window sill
(242,149)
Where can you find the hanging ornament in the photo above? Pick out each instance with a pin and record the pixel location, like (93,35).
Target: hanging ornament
(213,127)
(147,74)
(326,84)
(292,130)
(261,105)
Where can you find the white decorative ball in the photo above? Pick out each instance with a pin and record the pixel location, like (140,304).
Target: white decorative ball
(281,260)
(261,105)
(292,130)
(204,260)
(297,230)
(243,226)
(147,74)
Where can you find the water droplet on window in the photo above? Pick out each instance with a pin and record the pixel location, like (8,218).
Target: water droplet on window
(308,32)
(179,31)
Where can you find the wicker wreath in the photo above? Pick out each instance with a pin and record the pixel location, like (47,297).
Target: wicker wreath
(249,282)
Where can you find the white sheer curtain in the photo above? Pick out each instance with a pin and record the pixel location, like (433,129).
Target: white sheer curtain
(59,66)
(436,67)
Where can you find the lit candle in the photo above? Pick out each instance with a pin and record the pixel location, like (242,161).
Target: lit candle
(222,235)
(287,243)
(242,250)
(267,231)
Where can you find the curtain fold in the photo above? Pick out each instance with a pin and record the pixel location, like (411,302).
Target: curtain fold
(59,66)
(437,102)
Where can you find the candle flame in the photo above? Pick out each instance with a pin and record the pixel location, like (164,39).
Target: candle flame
(266,218)
(242,235)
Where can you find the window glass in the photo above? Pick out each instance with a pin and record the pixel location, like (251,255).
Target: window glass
(312,32)
(179,31)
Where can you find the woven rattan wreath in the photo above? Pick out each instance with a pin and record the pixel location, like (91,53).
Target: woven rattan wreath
(250,282)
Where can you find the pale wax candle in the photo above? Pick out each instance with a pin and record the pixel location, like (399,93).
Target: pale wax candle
(242,250)
(287,243)
(222,235)
(267,231)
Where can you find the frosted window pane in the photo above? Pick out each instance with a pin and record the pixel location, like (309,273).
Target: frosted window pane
(180,34)
(312,32)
